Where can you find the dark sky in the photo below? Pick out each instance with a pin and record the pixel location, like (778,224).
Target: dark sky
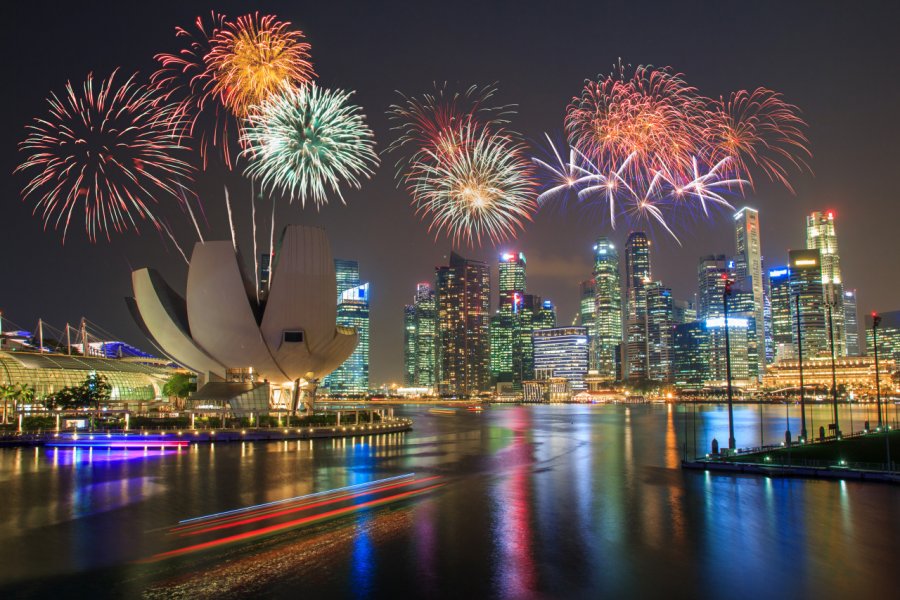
(837,61)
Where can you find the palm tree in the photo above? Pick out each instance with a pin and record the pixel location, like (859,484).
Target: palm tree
(8,392)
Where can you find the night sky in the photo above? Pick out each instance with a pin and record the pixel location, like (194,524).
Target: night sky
(837,61)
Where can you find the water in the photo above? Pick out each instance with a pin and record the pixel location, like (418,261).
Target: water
(534,501)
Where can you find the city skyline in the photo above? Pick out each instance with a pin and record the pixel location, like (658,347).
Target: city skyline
(558,245)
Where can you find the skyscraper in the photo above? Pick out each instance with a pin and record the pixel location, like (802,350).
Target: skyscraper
(511,279)
(782,303)
(352,377)
(851,324)
(821,236)
(463,306)
(637,276)
(347,275)
(806,282)
(712,271)
(265,268)
(562,352)
(586,308)
(409,345)
(749,272)
(607,334)
(660,324)
(523,350)
(426,336)
(507,342)
(546,318)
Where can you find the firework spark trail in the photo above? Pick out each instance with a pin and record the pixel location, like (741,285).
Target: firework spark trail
(484,189)
(255,253)
(165,228)
(109,148)
(186,78)
(304,142)
(256,57)
(230,220)
(422,122)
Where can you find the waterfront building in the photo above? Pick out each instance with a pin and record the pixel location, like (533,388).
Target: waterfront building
(690,345)
(352,377)
(851,324)
(637,276)
(700,361)
(426,335)
(606,337)
(502,335)
(660,324)
(562,352)
(749,273)
(463,331)
(888,337)
(806,283)
(552,389)
(523,348)
(821,236)
(409,345)
(855,373)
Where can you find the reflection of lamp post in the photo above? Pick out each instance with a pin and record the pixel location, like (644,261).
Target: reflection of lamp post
(829,302)
(800,363)
(725,294)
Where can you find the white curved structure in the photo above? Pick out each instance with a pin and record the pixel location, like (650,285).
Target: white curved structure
(220,327)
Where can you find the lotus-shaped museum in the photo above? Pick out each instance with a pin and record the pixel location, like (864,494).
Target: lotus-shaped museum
(221,331)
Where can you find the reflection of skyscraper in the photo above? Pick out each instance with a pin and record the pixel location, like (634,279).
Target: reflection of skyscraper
(637,275)
(821,236)
(851,323)
(750,273)
(607,333)
(409,345)
(352,377)
(463,305)
(426,327)
(806,282)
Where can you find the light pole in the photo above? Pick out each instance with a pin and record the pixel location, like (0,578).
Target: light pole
(800,363)
(876,321)
(834,395)
(725,294)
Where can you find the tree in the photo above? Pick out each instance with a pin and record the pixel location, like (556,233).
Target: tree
(180,385)
(94,391)
(7,392)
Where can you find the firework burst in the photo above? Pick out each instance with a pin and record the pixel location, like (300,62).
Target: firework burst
(484,188)
(186,78)
(107,148)
(423,123)
(255,57)
(305,141)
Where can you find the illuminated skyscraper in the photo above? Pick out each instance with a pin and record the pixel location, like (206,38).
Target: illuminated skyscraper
(409,345)
(347,275)
(463,317)
(683,311)
(502,335)
(806,282)
(782,303)
(426,336)
(888,338)
(586,308)
(821,236)
(508,344)
(546,318)
(606,336)
(523,350)
(851,324)
(637,276)
(352,377)
(660,324)
(265,264)
(562,352)
(712,271)
(749,272)
(511,279)
(699,353)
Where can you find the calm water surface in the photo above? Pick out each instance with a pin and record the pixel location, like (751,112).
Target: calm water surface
(533,501)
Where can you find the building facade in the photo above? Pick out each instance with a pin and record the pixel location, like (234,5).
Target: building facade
(562,352)
(352,377)
(463,334)
(606,338)
(749,273)
(821,236)
(637,276)
(851,324)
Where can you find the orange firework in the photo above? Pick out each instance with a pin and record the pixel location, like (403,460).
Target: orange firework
(253,57)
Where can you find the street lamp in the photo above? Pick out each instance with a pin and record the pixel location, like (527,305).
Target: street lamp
(725,294)
(829,302)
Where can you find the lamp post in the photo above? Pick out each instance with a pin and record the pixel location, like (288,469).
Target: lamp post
(725,294)
(800,363)
(834,395)
(876,321)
